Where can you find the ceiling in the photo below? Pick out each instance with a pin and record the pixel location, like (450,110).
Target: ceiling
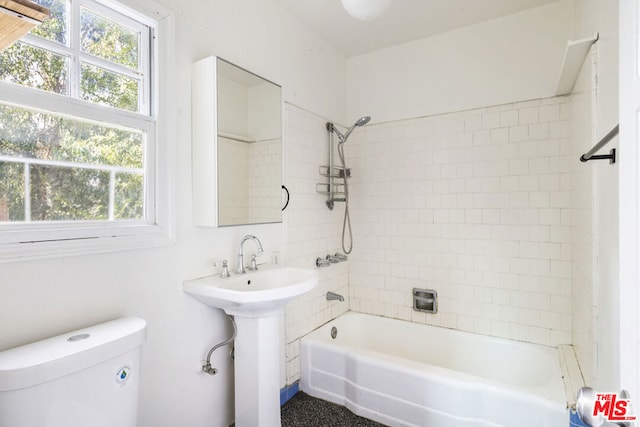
(405,20)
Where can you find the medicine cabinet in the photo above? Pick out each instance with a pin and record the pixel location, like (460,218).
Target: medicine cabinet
(237,145)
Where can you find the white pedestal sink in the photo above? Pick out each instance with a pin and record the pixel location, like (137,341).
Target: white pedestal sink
(255,299)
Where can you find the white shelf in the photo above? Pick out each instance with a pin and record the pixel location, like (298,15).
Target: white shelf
(574,57)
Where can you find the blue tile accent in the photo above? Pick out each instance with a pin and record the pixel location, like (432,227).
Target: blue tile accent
(575,421)
(288,392)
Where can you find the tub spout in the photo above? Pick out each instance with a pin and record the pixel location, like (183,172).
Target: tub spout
(333,296)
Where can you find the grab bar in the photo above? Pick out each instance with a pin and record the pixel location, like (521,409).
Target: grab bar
(589,155)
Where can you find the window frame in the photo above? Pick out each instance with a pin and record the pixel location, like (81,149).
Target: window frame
(37,240)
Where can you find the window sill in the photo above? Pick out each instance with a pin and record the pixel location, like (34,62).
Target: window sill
(154,237)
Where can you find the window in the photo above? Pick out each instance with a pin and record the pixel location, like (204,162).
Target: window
(78,126)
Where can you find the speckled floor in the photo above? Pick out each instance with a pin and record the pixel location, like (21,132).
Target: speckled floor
(303,410)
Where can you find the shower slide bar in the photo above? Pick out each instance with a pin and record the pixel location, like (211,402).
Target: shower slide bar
(589,155)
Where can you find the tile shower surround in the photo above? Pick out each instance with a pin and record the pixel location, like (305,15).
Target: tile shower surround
(475,204)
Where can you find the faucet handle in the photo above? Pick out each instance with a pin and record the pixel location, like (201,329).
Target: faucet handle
(332,259)
(322,262)
(341,257)
(225,270)
(254,265)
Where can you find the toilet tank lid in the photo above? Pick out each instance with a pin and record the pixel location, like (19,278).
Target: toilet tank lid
(55,357)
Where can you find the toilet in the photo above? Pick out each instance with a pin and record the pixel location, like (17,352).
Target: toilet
(88,377)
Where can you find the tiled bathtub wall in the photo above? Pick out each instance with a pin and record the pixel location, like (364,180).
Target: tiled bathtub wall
(312,231)
(474,204)
(582,218)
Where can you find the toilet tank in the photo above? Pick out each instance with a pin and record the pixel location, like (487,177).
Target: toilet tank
(87,377)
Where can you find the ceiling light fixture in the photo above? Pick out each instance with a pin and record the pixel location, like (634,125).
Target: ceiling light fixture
(366,10)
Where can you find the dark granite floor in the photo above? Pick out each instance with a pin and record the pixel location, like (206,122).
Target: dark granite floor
(303,410)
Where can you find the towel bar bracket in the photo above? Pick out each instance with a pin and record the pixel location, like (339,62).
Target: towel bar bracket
(611,157)
(589,155)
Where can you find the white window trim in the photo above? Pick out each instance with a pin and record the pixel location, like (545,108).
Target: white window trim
(52,241)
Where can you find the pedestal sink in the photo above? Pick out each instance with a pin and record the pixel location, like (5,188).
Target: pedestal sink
(255,299)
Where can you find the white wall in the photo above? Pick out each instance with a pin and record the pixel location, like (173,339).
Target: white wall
(628,193)
(509,59)
(44,298)
(596,278)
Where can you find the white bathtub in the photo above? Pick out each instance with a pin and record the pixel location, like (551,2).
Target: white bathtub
(405,374)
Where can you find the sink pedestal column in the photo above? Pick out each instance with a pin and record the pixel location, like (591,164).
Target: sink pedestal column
(257,371)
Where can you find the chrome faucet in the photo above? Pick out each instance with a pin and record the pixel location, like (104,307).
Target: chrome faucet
(241,269)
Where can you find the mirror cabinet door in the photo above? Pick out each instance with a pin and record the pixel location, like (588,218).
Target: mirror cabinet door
(237,145)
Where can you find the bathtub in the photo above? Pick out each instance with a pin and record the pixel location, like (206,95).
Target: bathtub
(406,374)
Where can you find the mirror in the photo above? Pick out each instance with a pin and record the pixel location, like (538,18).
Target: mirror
(237,145)
(249,148)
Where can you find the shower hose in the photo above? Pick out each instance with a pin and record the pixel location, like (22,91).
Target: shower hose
(346,222)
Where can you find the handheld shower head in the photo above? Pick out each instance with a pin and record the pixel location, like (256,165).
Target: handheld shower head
(363,121)
(346,224)
(360,122)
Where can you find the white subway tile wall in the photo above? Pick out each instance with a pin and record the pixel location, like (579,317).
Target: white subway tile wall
(312,231)
(474,204)
(584,199)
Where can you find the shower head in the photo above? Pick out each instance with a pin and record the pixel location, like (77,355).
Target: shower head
(360,122)
(363,121)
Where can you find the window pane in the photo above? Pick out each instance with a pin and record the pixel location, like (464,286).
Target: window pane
(64,193)
(33,134)
(74,163)
(108,88)
(106,39)
(34,67)
(56,26)
(11,192)
(129,203)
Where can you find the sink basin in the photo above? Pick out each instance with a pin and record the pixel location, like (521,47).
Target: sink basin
(255,293)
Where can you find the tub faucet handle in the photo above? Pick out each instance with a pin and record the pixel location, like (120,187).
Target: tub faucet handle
(322,262)
(332,259)
(341,257)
